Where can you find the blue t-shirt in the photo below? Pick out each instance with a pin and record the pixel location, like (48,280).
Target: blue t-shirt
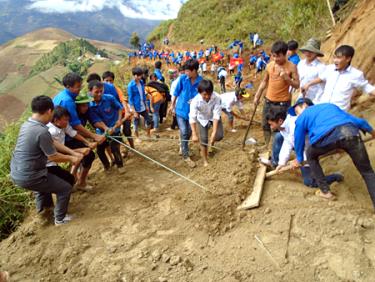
(110,89)
(159,75)
(107,111)
(294,59)
(134,96)
(318,121)
(66,99)
(185,91)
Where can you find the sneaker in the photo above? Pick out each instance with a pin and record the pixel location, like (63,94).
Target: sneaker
(85,188)
(190,162)
(233,130)
(121,170)
(65,220)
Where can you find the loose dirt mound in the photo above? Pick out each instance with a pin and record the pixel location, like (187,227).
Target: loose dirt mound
(358,31)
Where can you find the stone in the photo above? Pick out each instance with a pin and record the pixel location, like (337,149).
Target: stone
(156,255)
(267,211)
(175,260)
(165,258)
(162,279)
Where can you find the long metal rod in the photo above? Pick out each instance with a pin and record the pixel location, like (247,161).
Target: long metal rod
(159,164)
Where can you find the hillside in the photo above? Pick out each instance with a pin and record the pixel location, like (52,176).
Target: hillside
(19,57)
(221,21)
(16,19)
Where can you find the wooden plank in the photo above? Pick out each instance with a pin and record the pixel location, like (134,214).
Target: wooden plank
(253,200)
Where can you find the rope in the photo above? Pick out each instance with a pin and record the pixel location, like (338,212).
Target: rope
(160,164)
(167,139)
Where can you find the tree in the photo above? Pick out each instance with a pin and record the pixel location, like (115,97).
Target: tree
(134,40)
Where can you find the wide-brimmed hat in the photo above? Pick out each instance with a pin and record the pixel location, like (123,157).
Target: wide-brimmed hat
(83,99)
(312,45)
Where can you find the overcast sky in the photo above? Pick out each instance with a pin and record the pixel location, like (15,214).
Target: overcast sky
(149,9)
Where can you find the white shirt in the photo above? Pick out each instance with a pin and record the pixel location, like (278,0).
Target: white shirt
(204,67)
(203,111)
(287,132)
(308,72)
(221,73)
(255,38)
(340,86)
(207,52)
(58,134)
(229,100)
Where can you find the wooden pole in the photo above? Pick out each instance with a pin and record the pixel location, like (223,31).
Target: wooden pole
(330,12)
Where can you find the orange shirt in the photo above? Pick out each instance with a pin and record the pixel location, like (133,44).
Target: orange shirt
(278,88)
(156,95)
(121,97)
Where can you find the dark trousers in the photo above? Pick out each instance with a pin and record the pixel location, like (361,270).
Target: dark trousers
(271,107)
(115,149)
(163,111)
(222,84)
(75,144)
(52,184)
(126,128)
(62,173)
(356,149)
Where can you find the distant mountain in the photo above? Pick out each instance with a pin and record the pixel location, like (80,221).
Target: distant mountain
(108,24)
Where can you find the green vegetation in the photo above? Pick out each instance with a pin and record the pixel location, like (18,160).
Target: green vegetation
(14,201)
(134,40)
(161,31)
(70,54)
(221,21)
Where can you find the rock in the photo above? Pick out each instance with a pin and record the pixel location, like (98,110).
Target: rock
(252,258)
(331,220)
(154,266)
(162,279)
(165,258)
(156,255)
(267,211)
(175,260)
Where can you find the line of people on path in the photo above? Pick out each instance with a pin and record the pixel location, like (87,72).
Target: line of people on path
(59,130)
(319,121)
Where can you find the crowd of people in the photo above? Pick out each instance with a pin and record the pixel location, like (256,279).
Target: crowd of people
(317,123)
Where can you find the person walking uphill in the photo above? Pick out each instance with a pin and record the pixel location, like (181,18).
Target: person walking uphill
(28,165)
(137,101)
(280,76)
(330,128)
(186,89)
(205,112)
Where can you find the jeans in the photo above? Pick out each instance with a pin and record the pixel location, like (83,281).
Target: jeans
(357,151)
(115,149)
(43,198)
(309,180)
(185,134)
(156,114)
(278,141)
(203,132)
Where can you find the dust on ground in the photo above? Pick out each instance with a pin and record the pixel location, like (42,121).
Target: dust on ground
(149,225)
